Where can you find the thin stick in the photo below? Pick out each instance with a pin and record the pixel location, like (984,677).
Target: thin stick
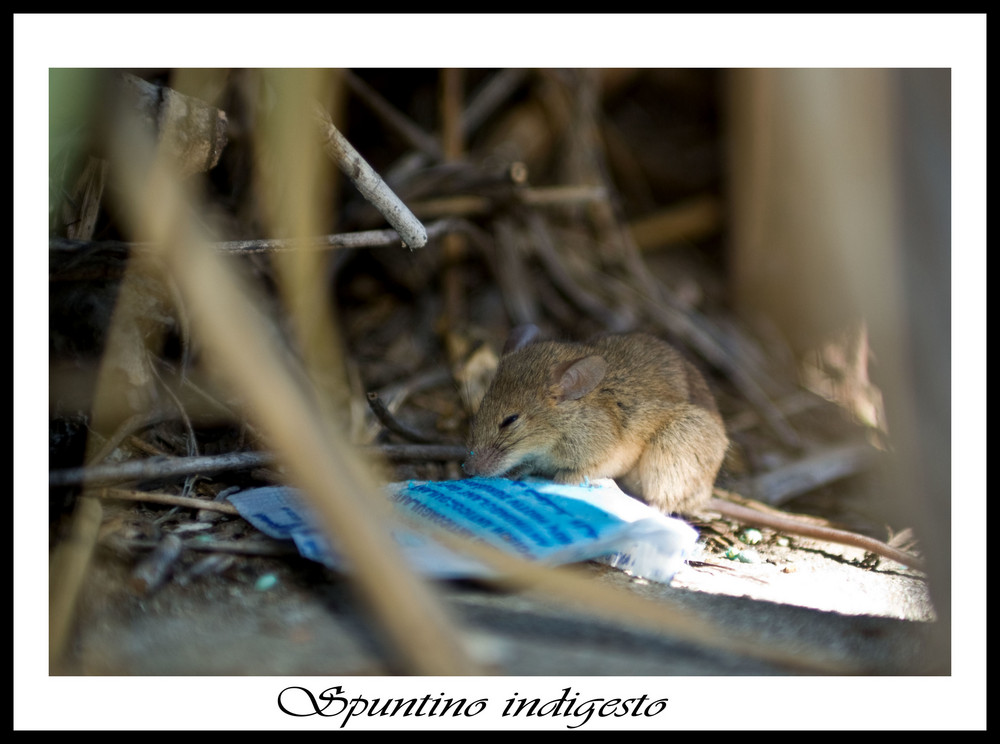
(152,469)
(369,183)
(564,281)
(545,196)
(399,122)
(488,98)
(393,424)
(688,220)
(128,427)
(485,101)
(163,469)
(512,274)
(168,499)
(347,241)
(263,546)
(454,246)
(471,204)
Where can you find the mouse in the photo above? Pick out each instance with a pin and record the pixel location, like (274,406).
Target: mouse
(629,407)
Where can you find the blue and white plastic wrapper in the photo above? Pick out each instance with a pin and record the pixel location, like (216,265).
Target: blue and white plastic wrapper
(534,519)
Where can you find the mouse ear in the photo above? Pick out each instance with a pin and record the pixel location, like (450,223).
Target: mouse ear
(577,377)
(520,337)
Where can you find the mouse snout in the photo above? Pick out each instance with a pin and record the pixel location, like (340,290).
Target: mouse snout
(483,462)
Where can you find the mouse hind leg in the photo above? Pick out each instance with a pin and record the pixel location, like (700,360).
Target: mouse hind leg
(677,469)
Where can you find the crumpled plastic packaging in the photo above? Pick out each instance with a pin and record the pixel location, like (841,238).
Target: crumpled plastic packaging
(535,519)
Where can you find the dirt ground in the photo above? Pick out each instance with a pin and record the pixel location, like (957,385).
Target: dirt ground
(285,615)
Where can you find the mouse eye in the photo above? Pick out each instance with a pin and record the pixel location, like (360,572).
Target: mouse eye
(508,421)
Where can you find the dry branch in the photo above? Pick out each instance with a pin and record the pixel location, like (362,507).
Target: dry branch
(512,273)
(690,220)
(484,103)
(398,121)
(393,424)
(453,147)
(168,499)
(368,182)
(65,248)
(157,469)
(487,99)
(263,546)
(587,301)
(166,469)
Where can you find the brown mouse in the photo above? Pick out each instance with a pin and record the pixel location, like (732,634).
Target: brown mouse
(628,407)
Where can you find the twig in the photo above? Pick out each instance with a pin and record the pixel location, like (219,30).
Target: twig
(192,438)
(168,499)
(262,546)
(368,182)
(154,469)
(351,240)
(488,98)
(163,469)
(393,424)
(399,391)
(512,274)
(454,247)
(472,204)
(564,281)
(399,122)
(688,220)
(483,105)
(130,426)
(561,195)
